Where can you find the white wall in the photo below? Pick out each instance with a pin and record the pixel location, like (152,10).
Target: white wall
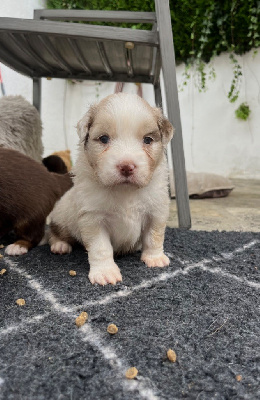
(14,82)
(214,139)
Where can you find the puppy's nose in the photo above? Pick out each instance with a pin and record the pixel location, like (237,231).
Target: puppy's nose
(126,168)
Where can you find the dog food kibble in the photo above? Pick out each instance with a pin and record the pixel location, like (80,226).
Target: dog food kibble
(20,302)
(1,246)
(239,378)
(131,373)
(3,271)
(171,355)
(112,329)
(1,256)
(81,319)
(72,273)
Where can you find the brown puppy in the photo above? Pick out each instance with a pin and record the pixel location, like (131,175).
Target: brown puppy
(28,193)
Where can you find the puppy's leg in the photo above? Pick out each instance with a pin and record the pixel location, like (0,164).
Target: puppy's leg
(152,252)
(103,269)
(59,240)
(18,248)
(96,240)
(59,246)
(29,234)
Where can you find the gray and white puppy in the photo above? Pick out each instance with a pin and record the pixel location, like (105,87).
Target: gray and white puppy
(20,127)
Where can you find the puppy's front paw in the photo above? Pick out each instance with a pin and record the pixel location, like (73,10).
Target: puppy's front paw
(16,250)
(61,247)
(160,260)
(106,274)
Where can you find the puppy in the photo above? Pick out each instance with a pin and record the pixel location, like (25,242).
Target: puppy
(28,193)
(65,156)
(59,162)
(55,163)
(20,127)
(119,202)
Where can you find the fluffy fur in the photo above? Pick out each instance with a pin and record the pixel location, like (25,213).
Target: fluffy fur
(20,127)
(119,202)
(28,193)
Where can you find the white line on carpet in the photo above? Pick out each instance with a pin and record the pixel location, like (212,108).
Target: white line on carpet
(94,339)
(25,322)
(144,284)
(240,249)
(36,285)
(109,354)
(255,285)
(169,275)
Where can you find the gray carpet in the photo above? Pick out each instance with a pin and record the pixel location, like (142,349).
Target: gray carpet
(205,306)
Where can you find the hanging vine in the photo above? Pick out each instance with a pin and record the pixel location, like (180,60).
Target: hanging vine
(253,28)
(201,76)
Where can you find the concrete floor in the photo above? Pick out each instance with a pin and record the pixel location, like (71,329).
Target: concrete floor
(240,211)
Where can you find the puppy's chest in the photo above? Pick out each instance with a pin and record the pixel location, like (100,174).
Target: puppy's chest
(125,227)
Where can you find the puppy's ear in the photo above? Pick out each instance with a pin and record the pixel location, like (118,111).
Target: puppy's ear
(85,123)
(165,127)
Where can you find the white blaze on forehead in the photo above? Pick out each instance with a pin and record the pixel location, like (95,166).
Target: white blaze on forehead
(129,113)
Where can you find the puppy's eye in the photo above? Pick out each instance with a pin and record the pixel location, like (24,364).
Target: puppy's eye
(104,139)
(148,140)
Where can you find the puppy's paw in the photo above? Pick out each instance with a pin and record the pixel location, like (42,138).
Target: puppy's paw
(16,250)
(159,260)
(105,274)
(61,247)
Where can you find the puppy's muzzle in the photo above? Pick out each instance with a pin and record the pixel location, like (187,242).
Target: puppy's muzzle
(126,169)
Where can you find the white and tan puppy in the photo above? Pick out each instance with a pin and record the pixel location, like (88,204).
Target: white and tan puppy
(119,202)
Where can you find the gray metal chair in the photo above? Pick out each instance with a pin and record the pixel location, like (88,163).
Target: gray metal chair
(53,46)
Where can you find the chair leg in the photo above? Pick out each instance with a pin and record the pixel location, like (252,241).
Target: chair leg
(158,102)
(37,93)
(158,95)
(171,92)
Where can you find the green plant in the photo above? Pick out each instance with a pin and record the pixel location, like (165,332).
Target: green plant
(236,81)
(253,29)
(97,87)
(243,111)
